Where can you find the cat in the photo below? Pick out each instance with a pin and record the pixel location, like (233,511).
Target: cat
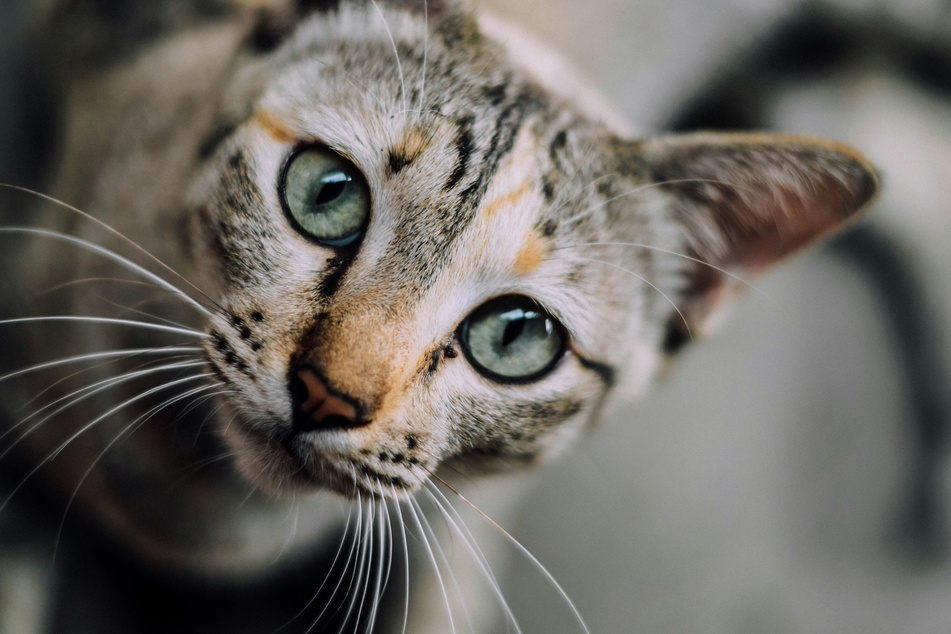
(320,251)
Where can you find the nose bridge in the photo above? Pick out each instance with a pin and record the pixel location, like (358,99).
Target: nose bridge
(357,350)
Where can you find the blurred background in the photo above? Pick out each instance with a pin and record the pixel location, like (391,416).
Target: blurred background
(791,474)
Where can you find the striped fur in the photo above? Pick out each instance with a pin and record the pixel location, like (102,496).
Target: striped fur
(484,182)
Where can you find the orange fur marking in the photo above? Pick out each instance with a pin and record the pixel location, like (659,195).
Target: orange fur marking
(414,142)
(274,128)
(531,255)
(508,199)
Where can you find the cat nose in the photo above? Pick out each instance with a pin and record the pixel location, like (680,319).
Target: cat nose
(316,407)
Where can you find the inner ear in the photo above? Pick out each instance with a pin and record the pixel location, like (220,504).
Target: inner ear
(746,201)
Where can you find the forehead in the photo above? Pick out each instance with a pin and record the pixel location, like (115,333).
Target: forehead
(456,165)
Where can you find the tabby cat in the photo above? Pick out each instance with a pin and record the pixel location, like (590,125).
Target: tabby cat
(320,251)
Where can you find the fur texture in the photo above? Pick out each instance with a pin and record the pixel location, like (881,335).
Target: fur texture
(483,184)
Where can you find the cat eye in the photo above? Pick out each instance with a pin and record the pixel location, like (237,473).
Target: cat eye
(325,196)
(512,339)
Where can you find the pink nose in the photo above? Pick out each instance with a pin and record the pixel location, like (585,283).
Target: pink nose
(320,408)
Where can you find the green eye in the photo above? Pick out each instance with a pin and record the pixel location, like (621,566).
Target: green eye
(512,339)
(325,196)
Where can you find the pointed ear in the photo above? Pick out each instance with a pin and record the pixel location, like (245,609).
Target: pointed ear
(747,201)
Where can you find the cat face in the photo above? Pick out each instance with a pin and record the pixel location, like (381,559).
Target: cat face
(443,324)
(422,256)
(403,248)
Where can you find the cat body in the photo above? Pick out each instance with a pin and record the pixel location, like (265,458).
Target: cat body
(278,365)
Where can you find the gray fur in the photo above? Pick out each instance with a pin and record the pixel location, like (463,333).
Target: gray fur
(483,183)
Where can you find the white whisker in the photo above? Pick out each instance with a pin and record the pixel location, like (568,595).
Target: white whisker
(359,562)
(526,553)
(83,393)
(114,281)
(590,210)
(413,507)
(384,539)
(109,321)
(111,354)
(115,257)
(323,583)
(118,234)
(660,250)
(354,541)
(53,454)
(126,431)
(135,310)
(422,81)
(645,280)
(396,53)
(294,511)
(402,526)
(139,370)
(456,523)
(120,407)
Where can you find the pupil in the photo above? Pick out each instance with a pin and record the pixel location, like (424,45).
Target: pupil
(512,330)
(333,187)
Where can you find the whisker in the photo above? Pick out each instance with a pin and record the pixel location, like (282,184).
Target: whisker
(138,311)
(121,236)
(143,367)
(350,557)
(53,454)
(588,211)
(359,563)
(422,81)
(384,538)
(525,552)
(660,250)
(402,526)
(412,506)
(109,321)
(122,406)
(444,506)
(112,255)
(80,395)
(126,431)
(366,557)
(643,279)
(194,405)
(447,561)
(115,281)
(376,563)
(119,354)
(396,53)
(323,583)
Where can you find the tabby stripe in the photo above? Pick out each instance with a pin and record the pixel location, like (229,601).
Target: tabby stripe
(336,269)
(508,125)
(464,147)
(605,372)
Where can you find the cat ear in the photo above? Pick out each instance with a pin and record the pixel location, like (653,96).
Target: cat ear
(747,201)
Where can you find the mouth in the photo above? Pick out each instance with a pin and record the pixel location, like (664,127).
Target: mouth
(294,461)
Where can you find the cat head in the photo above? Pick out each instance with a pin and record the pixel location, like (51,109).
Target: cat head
(421,256)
